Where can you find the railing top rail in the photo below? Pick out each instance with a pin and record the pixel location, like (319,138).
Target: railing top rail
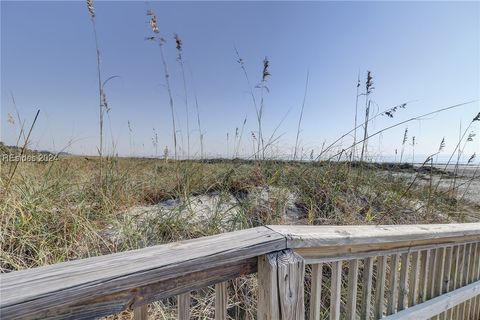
(108,284)
(319,236)
(115,281)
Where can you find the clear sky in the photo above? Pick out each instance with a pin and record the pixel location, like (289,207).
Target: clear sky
(424,52)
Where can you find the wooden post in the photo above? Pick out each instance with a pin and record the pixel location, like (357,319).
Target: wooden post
(280,284)
(268,287)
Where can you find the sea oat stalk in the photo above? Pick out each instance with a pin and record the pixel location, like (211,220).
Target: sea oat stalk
(91,11)
(179,47)
(300,119)
(161,41)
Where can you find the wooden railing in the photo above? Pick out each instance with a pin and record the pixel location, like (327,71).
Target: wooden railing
(359,272)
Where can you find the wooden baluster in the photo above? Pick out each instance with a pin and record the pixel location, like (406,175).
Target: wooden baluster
(414,279)
(352,289)
(367,288)
(424,274)
(141,313)
(316,291)
(336,290)
(453,277)
(447,275)
(380,286)
(471,276)
(459,277)
(432,277)
(403,291)
(465,278)
(439,271)
(393,292)
(477,299)
(183,306)
(221,301)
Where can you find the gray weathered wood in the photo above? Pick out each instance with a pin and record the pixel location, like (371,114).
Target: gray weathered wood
(336,290)
(403,285)
(414,279)
(424,274)
(367,288)
(432,274)
(291,274)
(368,235)
(141,313)
(465,278)
(317,255)
(108,284)
(221,301)
(183,306)
(267,307)
(439,271)
(453,276)
(447,275)
(439,304)
(471,277)
(380,286)
(316,291)
(393,289)
(476,304)
(458,277)
(352,289)
(280,286)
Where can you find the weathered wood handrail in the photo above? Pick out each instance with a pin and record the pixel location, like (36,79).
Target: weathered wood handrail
(104,285)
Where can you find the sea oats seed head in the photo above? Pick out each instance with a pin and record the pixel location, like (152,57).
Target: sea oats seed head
(153,21)
(442,145)
(471,136)
(104,101)
(471,158)
(91,8)
(477,118)
(178,41)
(369,84)
(266,65)
(10,120)
(405,136)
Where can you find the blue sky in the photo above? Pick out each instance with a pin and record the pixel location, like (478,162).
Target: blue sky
(425,52)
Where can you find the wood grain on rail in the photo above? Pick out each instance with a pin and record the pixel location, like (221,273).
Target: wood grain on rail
(108,284)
